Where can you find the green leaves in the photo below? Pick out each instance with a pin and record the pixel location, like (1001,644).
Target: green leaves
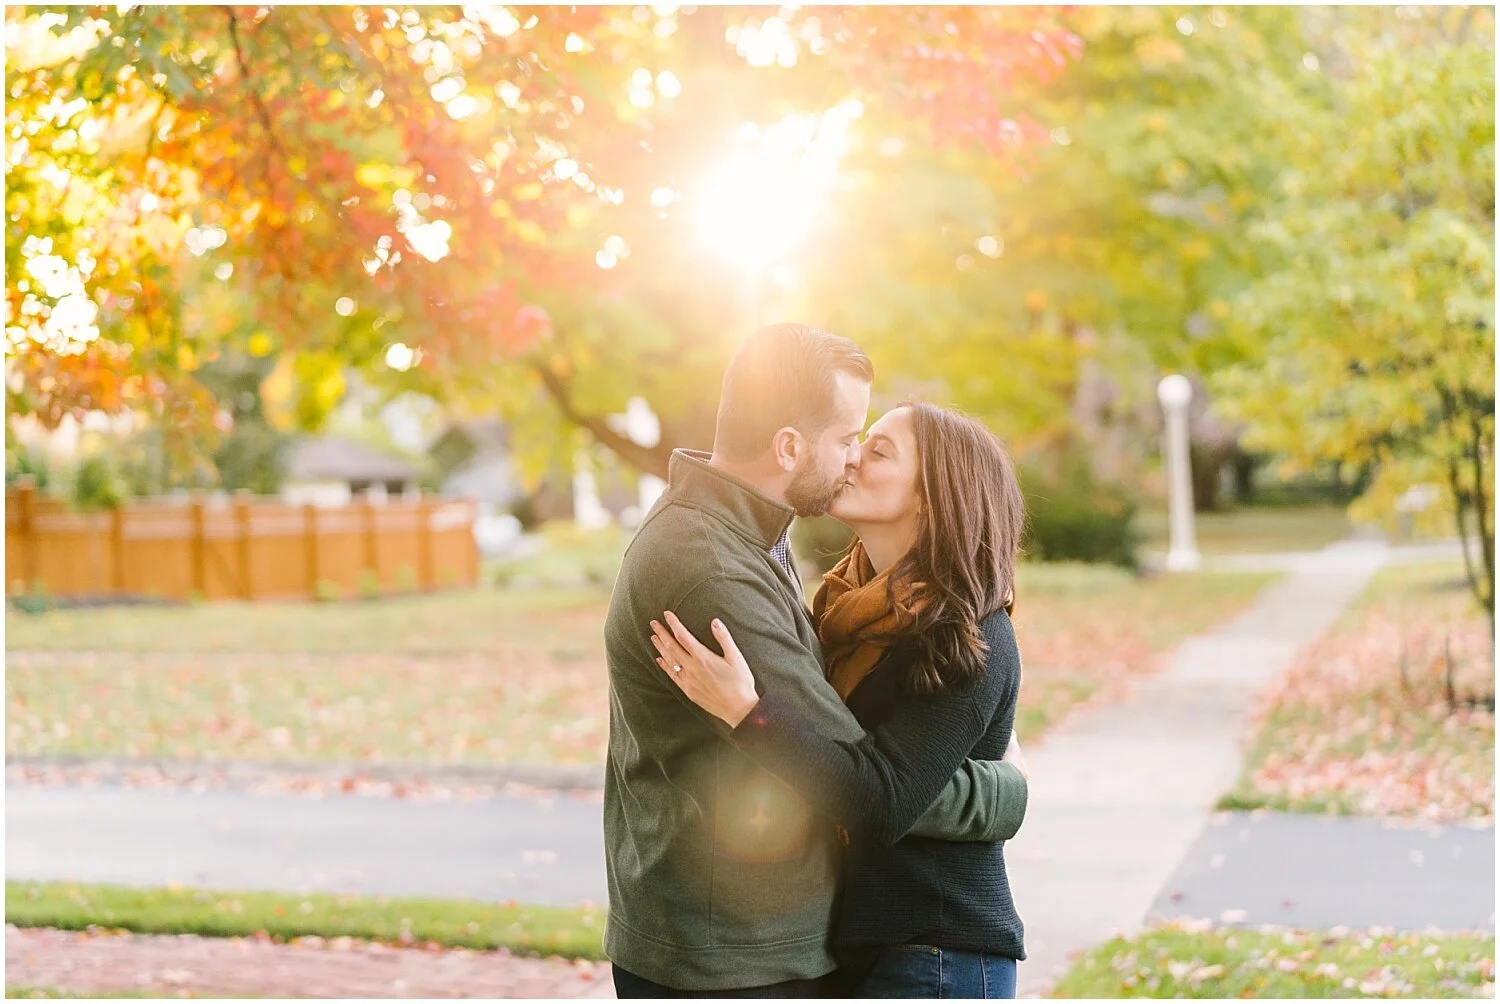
(1368,332)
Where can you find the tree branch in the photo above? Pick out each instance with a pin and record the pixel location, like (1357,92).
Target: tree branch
(646,459)
(261,112)
(275,149)
(1461,34)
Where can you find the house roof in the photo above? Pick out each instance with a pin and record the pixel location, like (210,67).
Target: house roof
(486,435)
(332,458)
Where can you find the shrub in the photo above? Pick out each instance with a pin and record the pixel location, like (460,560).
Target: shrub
(33,600)
(328,591)
(1072,516)
(369,584)
(21,461)
(97,485)
(252,457)
(524,509)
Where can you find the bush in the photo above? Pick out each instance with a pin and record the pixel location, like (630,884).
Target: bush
(97,485)
(524,509)
(252,458)
(820,542)
(369,584)
(1072,516)
(31,600)
(328,591)
(21,462)
(1323,486)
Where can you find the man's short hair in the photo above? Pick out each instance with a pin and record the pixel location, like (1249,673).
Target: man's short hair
(783,375)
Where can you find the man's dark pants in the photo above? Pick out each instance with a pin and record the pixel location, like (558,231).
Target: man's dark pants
(629,985)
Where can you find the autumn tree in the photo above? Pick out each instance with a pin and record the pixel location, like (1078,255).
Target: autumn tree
(1109,249)
(1368,338)
(478,202)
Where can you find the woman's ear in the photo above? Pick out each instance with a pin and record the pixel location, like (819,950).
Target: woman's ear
(787,447)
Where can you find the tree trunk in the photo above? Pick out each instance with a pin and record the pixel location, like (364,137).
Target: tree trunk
(1244,476)
(1476,447)
(1208,466)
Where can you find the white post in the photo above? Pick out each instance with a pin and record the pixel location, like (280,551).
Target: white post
(1176,392)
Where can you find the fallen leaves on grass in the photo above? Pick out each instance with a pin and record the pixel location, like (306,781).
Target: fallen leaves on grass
(480,677)
(1195,959)
(453,621)
(1361,722)
(504,708)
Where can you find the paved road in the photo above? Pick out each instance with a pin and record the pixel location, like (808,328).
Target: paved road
(1319,872)
(544,850)
(1304,871)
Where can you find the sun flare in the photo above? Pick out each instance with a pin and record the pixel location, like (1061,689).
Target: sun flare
(757,205)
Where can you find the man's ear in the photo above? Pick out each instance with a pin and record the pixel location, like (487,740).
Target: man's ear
(787,447)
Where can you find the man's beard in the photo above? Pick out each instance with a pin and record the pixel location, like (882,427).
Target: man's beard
(809,494)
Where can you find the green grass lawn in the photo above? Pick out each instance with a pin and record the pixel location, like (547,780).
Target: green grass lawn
(514,708)
(1176,961)
(460,620)
(481,676)
(1344,732)
(1252,530)
(490,675)
(569,556)
(574,933)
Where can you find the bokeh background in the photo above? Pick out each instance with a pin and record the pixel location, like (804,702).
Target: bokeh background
(345,346)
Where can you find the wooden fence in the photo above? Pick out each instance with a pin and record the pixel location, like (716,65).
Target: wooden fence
(245,547)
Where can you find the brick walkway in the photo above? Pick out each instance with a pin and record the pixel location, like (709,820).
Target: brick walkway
(183,965)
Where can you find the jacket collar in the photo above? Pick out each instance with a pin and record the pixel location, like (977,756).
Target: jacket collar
(748,510)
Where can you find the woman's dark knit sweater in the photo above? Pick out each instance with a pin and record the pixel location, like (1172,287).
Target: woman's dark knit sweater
(900,889)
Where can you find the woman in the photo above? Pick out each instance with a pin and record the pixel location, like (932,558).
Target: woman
(917,638)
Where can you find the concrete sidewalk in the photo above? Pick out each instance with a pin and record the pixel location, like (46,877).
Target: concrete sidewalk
(1121,793)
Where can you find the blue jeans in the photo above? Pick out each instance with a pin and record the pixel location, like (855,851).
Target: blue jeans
(933,973)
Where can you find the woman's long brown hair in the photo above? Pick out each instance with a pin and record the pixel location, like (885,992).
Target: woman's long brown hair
(968,538)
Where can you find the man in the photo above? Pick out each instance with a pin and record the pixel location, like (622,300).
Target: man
(722,879)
